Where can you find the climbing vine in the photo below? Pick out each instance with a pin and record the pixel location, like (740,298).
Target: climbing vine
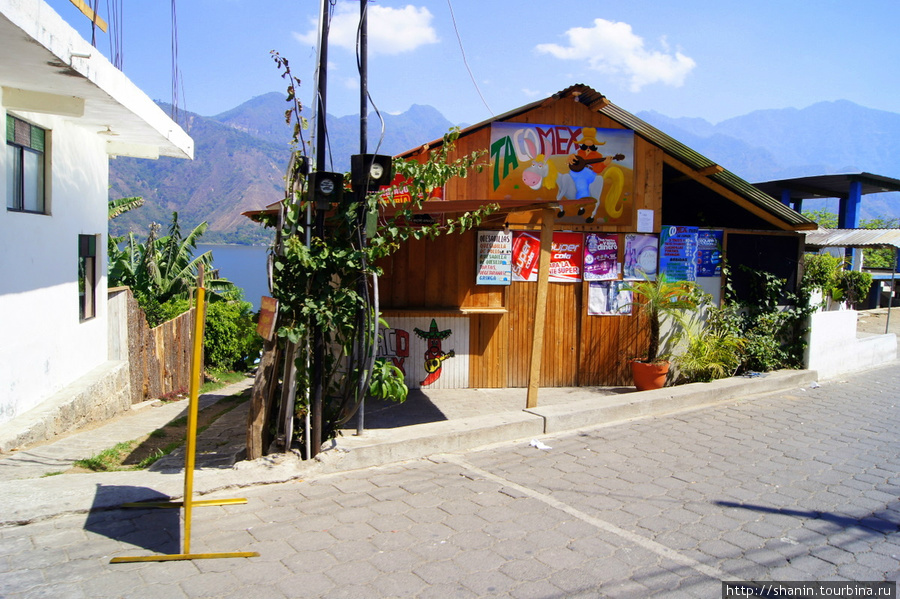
(327,282)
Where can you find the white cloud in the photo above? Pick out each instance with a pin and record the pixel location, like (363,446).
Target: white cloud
(311,37)
(390,30)
(613,48)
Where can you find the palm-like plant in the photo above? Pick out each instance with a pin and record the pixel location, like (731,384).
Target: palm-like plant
(711,353)
(164,268)
(660,299)
(123,205)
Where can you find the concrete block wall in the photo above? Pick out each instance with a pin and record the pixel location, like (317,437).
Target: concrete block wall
(103,393)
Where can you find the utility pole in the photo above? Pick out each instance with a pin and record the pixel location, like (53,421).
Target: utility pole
(318,365)
(361,223)
(363,78)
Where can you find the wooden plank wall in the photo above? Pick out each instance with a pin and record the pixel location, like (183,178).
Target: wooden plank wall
(490,346)
(579,350)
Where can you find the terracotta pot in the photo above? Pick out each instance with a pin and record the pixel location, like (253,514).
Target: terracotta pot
(649,375)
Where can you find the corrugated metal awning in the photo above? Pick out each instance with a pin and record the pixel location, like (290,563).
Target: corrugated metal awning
(853,238)
(829,186)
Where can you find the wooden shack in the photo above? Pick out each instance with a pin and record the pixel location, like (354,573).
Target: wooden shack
(465,310)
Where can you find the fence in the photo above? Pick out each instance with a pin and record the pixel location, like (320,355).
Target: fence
(159,358)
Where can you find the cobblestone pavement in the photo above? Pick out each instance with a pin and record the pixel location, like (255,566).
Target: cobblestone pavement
(791,486)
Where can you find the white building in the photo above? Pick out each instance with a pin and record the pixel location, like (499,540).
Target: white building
(66,110)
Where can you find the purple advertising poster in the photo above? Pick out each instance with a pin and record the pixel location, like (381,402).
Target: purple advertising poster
(601,255)
(641,254)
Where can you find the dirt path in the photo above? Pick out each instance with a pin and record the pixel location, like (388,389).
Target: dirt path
(872,322)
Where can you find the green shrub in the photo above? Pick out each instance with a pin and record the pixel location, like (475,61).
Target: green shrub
(387,381)
(821,272)
(771,322)
(230,341)
(853,286)
(714,348)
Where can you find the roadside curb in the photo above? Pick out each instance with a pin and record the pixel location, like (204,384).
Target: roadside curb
(39,499)
(594,412)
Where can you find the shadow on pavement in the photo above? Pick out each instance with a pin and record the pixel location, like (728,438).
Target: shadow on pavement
(874,522)
(154,529)
(417,409)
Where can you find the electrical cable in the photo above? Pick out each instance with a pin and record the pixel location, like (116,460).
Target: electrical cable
(367,333)
(175,74)
(114,10)
(465,61)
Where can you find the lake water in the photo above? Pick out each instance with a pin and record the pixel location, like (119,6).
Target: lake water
(243,265)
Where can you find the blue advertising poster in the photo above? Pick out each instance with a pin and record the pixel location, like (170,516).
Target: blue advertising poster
(678,253)
(709,253)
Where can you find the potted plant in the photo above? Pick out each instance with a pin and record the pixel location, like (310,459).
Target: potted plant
(657,300)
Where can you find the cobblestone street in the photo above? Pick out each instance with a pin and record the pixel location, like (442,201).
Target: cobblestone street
(790,486)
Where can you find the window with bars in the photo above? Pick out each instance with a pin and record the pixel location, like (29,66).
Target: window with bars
(25,166)
(87,276)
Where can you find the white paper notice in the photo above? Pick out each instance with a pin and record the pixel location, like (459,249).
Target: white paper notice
(645,221)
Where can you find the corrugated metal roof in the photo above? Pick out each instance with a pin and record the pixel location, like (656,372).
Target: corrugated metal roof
(853,238)
(597,101)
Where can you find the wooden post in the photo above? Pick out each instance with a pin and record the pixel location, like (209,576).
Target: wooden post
(289,394)
(260,399)
(548,219)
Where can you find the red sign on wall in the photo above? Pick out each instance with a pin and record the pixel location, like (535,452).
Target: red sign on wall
(566,256)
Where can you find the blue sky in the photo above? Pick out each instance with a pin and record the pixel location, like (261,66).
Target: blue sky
(713,59)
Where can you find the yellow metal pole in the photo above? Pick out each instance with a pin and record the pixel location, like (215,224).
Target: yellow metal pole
(190,455)
(191,444)
(89,13)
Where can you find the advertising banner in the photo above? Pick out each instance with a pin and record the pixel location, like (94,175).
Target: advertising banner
(555,162)
(678,255)
(601,257)
(526,255)
(432,352)
(641,254)
(566,257)
(609,298)
(709,253)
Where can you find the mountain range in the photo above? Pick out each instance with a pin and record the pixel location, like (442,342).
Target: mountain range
(242,154)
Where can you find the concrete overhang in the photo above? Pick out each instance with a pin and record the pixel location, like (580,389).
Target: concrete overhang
(47,67)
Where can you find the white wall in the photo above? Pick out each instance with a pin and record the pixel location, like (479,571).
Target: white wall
(834,347)
(43,346)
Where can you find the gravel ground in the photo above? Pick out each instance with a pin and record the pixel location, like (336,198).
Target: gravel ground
(873,321)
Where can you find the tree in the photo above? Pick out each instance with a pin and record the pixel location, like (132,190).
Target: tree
(823,218)
(327,283)
(162,269)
